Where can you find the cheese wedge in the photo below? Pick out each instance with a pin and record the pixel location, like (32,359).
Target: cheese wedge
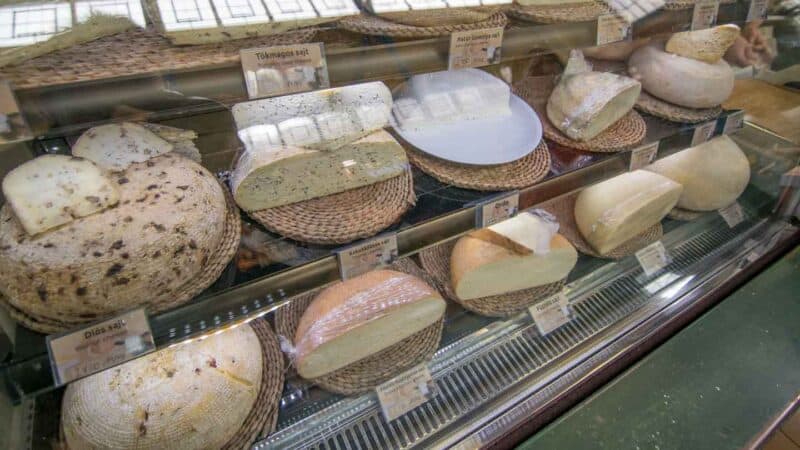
(707,45)
(616,210)
(584,103)
(56,189)
(713,174)
(266,177)
(680,80)
(116,146)
(357,318)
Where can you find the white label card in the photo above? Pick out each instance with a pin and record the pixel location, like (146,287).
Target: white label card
(405,392)
(733,214)
(475,48)
(643,156)
(703,132)
(734,122)
(497,209)
(653,258)
(612,28)
(371,254)
(284,69)
(705,14)
(551,313)
(100,346)
(757,10)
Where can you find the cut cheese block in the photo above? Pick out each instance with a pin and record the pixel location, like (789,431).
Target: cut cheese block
(616,210)
(480,268)
(182,140)
(707,45)
(190,396)
(680,80)
(118,145)
(56,189)
(322,120)
(713,174)
(266,177)
(584,103)
(354,319)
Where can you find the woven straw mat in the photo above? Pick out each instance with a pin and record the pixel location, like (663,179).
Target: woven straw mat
(366,374)
(134,52)
(563,208)
(436,261)
(523,172)
(675,113)
(374,25)
(439,17)
(622,135)
(343,217)
(577,12)
(226,250)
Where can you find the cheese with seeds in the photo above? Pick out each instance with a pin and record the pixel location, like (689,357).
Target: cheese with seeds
(118,145)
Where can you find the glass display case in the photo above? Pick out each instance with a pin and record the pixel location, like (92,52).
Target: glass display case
(362,224)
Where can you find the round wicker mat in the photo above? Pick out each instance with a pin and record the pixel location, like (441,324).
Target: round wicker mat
(438,17)
(436,261)
(226,249)
(563,208)
(369,372)
(523,172)
(684,215)
(672,112)
(577,12)
(374,25)
(343,217)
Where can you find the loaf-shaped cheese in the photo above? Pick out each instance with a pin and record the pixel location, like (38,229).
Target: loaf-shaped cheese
(616,210)
(191,396)
(56,189)
(680,80)
(707,45)
(584,103)
(267,177)
(116,146)
(713,174)
(322,120)
(482,267)
(354,319)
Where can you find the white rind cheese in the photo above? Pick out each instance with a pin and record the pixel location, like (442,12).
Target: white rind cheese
(266,177)
(707,45)
(357,318)
(56,189)
(713,174)
(616,210)
(584,103)
(680,80)
(118,145)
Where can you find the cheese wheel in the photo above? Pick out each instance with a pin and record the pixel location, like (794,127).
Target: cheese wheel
(354,319)
(118,145)
(191,396)
(713,174)
(680,80)
(707,45)
(616,210)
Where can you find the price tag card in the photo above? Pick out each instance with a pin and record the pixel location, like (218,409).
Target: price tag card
(734,122)
(705,14)
(653,258)
(733,214)
(551,313)
(371,254)
(757,10)
(703,132)
(405,392)
(475,48)
(497,209)
(644,155)
(100,346)
(284,69)
(612,28)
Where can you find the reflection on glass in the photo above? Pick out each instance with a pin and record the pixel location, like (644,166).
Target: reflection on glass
(31,23)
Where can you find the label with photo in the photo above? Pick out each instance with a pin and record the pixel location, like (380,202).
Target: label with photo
(405,392)
(284,69)
(368,255)
(497,209)
(475,48)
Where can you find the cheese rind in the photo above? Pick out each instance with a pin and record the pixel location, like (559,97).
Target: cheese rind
(116,146)
(616,210)
(56,189)
(275,176)
(707,45)
(359,317)
(713,174)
